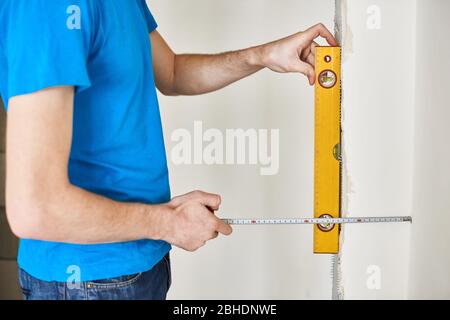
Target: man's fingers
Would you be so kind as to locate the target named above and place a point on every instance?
(308, 54)
(314, 45)
(304, 52)
(224, 228)
(311, 59)
(320, 30)
(210, 200)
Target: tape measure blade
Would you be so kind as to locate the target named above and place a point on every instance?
(289, 221)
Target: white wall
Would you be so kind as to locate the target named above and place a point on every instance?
(378, 128)
(256, 262)
(396, 132)
(429, 275)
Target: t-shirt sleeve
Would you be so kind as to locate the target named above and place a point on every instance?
(47, 45)
(149, 19)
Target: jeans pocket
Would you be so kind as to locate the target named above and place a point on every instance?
(118, 282)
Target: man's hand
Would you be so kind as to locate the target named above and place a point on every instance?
(192, 222)
(193, 74)
(296, 53)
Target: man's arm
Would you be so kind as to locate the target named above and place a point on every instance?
(42, 204)
(192, 74)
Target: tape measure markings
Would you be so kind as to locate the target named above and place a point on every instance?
(321, 221)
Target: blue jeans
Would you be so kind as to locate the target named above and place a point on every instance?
(150, 285)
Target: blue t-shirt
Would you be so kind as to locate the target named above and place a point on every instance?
(102, 48)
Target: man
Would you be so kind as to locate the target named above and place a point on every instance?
(87, 181)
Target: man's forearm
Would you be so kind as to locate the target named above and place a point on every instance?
(200, 73)
(192, 74)
(73, 215)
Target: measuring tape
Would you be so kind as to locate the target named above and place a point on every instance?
(325, 223)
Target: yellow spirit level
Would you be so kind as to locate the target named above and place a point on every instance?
(327, 162)
(327, 140)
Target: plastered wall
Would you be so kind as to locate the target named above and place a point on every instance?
(379, 42)
(396, 154)
(429, 262)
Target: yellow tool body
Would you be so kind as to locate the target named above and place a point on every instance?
(327, 140)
